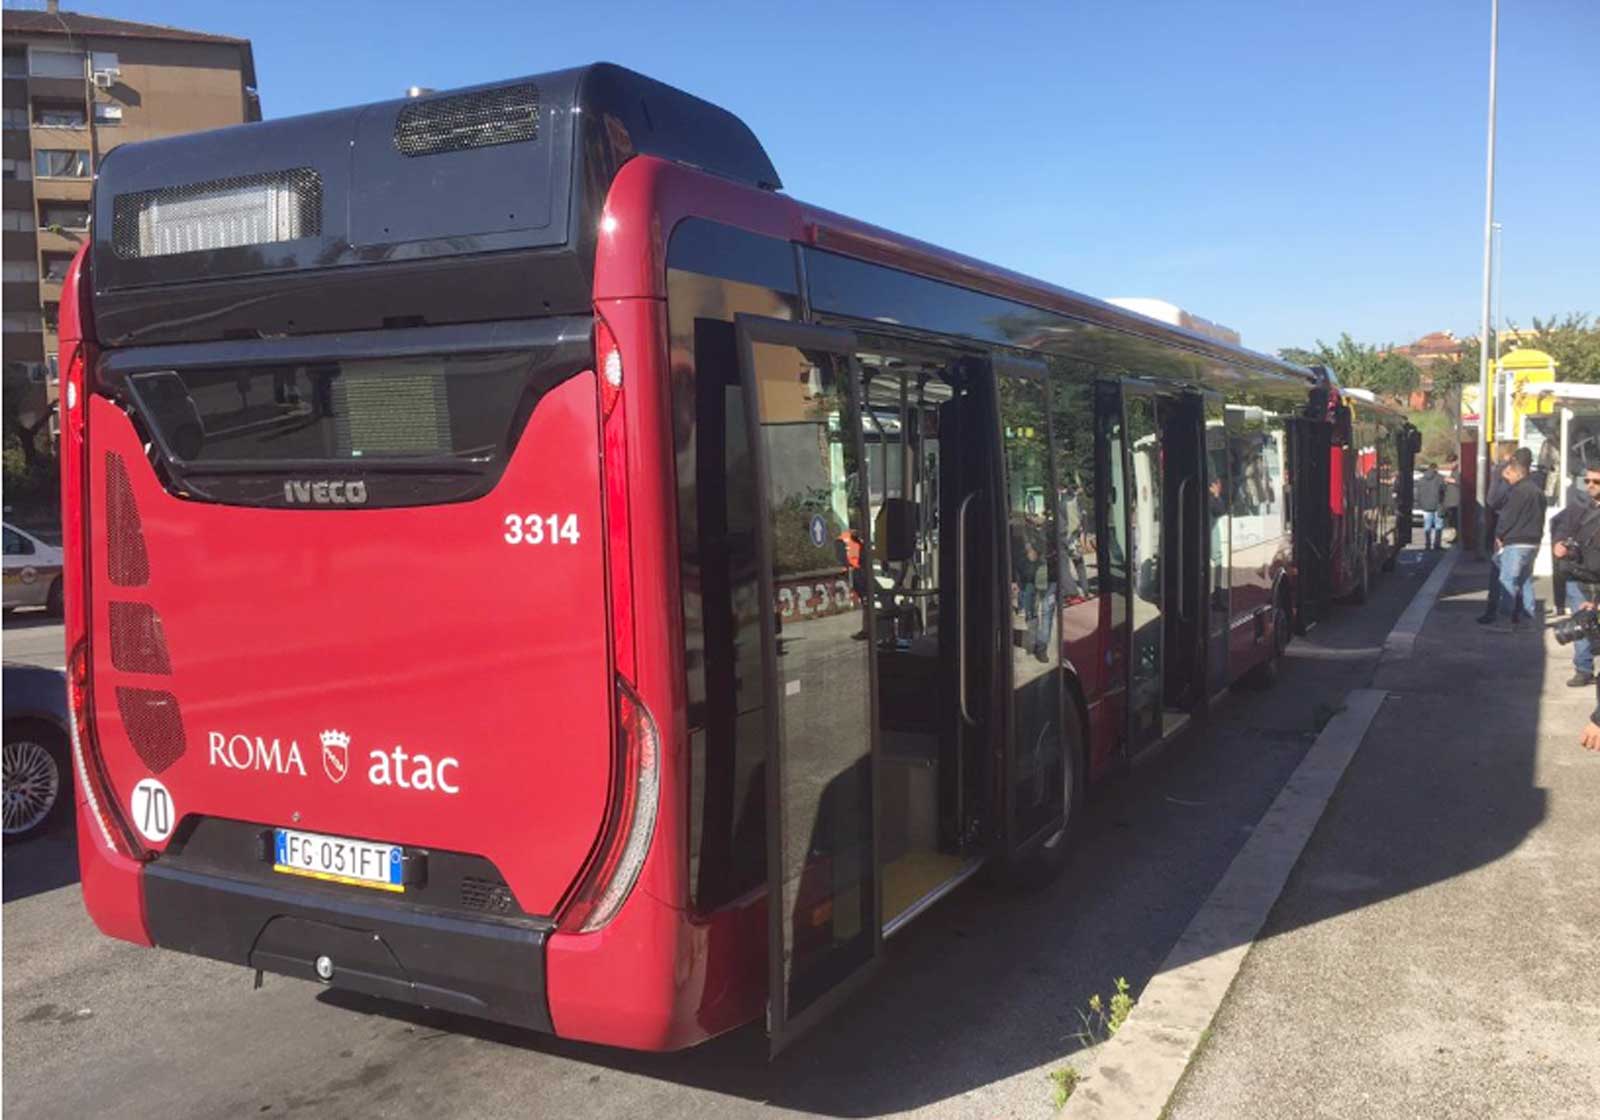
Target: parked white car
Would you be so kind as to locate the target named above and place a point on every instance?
(33, 572)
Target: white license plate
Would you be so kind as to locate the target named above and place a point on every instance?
(337, 860)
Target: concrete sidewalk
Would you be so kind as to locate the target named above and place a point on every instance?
(1436, 952)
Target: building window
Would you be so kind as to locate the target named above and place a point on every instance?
(60, 163)
(58, 114)
(20, 272)
(55, 267)
(44, 63)
(66, 215)
(106, 113)
(16, 118)
(21, 321)
(18, 220)
(15, 169)
(16, 64)
(52, 315)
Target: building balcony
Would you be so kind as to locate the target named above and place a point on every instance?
(49, 291)
(64, 137)
(63, 190)
(57, 89)
(64, 241)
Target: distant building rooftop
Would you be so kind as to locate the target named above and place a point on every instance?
(20, 21)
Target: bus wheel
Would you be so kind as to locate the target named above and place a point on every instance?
(1042, 865)
(1266, 674)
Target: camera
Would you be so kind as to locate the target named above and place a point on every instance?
(1582, 623)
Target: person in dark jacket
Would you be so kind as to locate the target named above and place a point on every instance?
(1564, 527)
(1519, 527)
(1491, 503)
(1575, 533)
(1429, 496)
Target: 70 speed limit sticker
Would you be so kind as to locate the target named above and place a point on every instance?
(153, 811)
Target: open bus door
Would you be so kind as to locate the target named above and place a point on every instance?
(1410, 441)
(824, 899)
(1310, 446)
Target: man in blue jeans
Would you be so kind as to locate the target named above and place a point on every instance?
(1518, 530)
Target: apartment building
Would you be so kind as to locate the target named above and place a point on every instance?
(76, 86)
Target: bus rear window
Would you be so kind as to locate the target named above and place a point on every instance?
(359, 412)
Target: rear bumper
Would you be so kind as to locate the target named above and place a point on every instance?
(490, 969)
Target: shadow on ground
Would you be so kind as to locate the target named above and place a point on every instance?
(44, 864)
(989, 985)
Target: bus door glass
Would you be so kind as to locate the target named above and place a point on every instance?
(1041, 572)
(928, 423)
(1165, 440)
(822, 799)
(1219, 534)
(1145, 564)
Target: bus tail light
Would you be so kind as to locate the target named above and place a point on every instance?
(86, 761)
(631, 823)
(614, 471)
(76, 357)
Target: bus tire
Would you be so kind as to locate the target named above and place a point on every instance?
(1266, 674)
(1044, 864)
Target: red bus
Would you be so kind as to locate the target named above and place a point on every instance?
(521, 563)
(1362, 458)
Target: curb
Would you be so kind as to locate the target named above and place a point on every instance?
(1134, 1074)
(1404, 635)
(1137, 1070)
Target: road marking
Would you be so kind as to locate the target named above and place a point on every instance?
(1132, 1075)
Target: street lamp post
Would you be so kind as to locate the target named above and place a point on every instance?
(1484, 387)
(1499, 288)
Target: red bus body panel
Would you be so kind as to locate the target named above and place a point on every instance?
(451, 659)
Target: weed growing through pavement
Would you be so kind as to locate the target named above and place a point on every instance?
(1066, 1079)
(1104, 1019)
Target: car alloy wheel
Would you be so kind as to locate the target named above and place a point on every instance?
(32, 782)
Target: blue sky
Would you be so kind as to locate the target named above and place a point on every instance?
(1291, 168)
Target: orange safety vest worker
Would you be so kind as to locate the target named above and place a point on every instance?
(852, 547)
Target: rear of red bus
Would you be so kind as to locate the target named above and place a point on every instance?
(359, 686)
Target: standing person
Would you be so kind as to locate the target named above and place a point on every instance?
(1519, 527)
(1492, 500)
(1575, 532)
(1429, 496)
(1564, 526)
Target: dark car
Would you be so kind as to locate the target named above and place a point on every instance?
(37, 763)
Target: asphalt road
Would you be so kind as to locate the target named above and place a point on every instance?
(34, 638)
(976, 1001)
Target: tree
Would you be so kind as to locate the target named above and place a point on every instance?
(26, 418)
(1360, 366)
(1572, 340)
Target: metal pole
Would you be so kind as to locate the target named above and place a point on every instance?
(1484, 388)
(1499, 289)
